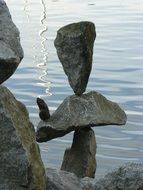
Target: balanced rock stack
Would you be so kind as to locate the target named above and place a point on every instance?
(21, 166)
(79, 112)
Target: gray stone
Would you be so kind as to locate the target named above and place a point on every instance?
(80, 158)
(127, 177)
(74, 44)
(44, 112)
(11, 51)
(76, 112)
(20, 162)
(88, 183)
(62, 180)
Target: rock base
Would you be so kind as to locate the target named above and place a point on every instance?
(80, 158)
(127, 177)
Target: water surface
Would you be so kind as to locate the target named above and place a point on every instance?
(116, 73)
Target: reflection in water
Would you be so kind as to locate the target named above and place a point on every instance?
(43, 65)
(25, 9)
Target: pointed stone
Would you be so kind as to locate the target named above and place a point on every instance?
(44, 112)
(74, 44)
(76, 112)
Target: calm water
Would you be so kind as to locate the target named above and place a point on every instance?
(116, 73)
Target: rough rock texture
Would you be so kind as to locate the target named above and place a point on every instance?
(21, 167)
(74, 44)
(80, 158)
(127, 177)
(62, 180)
(88, 183)
(76, 112)
(11, 51)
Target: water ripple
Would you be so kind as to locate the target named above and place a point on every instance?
(118, 158)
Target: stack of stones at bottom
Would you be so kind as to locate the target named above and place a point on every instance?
(79, 112)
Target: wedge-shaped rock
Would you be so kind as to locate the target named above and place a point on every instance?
(84, 143)
(21, 167)
(74, 44)
(11, 51)
(91, 109)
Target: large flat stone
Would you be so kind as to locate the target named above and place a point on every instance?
(76, 112)
(11, 51)
(74, 44)
(21, 167)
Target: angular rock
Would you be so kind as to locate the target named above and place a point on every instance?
(11, 51)
(20, 162)
(76, 112)
(80, 158)
(127, 177)
(74, 44)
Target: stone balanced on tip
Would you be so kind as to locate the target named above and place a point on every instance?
(74, 44)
